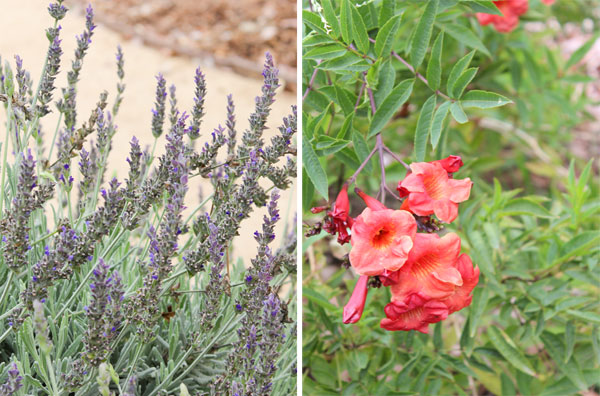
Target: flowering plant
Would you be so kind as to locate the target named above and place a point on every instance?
(114, 286)
(494, 258)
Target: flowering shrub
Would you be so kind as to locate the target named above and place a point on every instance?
(111, 286)
(467, 260)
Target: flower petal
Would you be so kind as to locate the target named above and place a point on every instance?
(445, 210)
(459, 189)
(420, 204)
(412, 183)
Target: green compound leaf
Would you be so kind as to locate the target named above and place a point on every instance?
(422, 34)
(424, 128)
(390, 106)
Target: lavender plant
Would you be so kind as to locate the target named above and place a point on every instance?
(115, 287)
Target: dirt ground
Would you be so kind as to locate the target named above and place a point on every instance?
(22, 32)
(233, 33)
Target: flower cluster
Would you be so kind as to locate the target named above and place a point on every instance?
(252, 366)
(511, 10)
(15, 226)
(428, 277)
(13, 383)
(104, 313)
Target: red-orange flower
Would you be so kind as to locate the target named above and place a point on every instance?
(338, 220)
(431, 268)
(508, 21)
(548, 2)
(450, 164)
(461, 296)
(381, 239)
(430, 191)
(354, 309)
(415, 312)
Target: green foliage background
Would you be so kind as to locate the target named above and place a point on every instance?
(531, 223)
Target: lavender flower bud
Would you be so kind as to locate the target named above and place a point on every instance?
(174, 113)
(120, 84)
(13, 383)
(230, 124)
(198, 110)
(50, 72)
(252, 138)
(15, 226)
(135, 168)
(104, 314)
(41, 328)
(57, 10)
(158, 113)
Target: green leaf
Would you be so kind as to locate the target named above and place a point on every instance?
(361, 148)
(359, 31)
(328, 51)
(580, 52)
(579, 244)
(569, 340)
(483, 99)
(465, 78)
(318, 298)
(434, 68)
(458, 113)
(390, 106)
(465, 36)
(422, 34)
(438, 123)
(313, 167)
(346, 21)
(313, 21)
(438, 341)
(308, 191)
(387, 78)
(508, 350)
(524, 206)
(331, 17)
(508, 388)
(586, 316)
(386, 11)
(458, 69)
(386, 35)
(346, 130)
(485, 6)
(424, 127)
(555, 349)
(349, 62)
(480, 298)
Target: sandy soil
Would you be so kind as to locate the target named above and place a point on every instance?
(234, 33)
(22, 32)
